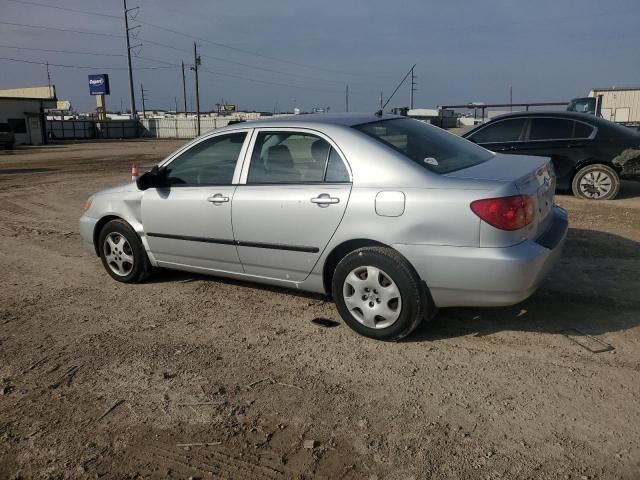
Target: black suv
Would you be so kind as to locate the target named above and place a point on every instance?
(589, 154)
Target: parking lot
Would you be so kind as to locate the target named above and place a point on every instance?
(188, 375)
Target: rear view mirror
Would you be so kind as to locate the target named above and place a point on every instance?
(152, 179)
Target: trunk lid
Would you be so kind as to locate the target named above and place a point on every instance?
(533, 176)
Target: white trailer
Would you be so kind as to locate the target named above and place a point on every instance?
(617, 104)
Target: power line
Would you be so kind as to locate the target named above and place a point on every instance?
(233, 62)
(44, 27)
(266, 82)
(248, 52)
(111, 35)
(176, 32)
(78, 66)
(66, 9)
(75, 52)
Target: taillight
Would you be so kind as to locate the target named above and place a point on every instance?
(506, 213)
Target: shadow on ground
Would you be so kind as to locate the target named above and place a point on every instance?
(595, 288)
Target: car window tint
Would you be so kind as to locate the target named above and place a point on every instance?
(211, 162)
(501, 131)
(336, 169)
(288, 157)
(550, 128)
(430, 147)
(582, 130)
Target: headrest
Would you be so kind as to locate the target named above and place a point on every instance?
(278, 156)
(320, 150)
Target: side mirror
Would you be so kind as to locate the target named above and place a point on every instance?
(152, 179)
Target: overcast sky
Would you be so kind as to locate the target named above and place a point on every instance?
(465, 50)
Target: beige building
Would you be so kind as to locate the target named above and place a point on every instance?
(620, 105)
(24, 110)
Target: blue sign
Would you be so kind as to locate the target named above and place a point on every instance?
(99, 84)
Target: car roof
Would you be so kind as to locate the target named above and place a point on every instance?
(315, 119)
(601, 123)
(548, 113)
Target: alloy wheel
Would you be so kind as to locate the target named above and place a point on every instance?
(118, 254)
(596, 184)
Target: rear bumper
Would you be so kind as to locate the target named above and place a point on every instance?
(471, 276)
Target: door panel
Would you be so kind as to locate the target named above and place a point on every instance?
(296, 193)
(188, 220)
(189, 226)
(281, 230)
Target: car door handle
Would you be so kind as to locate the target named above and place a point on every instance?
(218, 198)
(324, 200)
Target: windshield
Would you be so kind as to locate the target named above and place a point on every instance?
(428, 146)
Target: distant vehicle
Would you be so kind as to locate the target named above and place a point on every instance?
(589, 154)
(620, 105)
(390, 216)
(7, 137)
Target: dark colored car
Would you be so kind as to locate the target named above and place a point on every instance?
(7, 138)
(589, 154)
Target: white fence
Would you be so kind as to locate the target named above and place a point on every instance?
(179, 127)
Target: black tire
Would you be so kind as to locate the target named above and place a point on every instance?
(583, 185)
(134, 271)
(414, 303)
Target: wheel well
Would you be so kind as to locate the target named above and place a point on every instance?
(338, 253)
(96, 230)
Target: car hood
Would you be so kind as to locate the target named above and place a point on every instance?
(501, 167)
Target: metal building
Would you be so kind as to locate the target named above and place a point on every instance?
(24, 110)
(619, 104)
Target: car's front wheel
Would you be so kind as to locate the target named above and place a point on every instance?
(122, 252)
(596, 182)
(379, 294)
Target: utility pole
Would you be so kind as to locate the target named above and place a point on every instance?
(196, 62)
(184, 90)
(381, 100)
(346, 98)
(144, 111)
(413, 87)
(132, 97)
(49, 80)
(511, 99)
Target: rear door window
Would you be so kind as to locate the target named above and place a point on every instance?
(294, 157)
(500, 132)
(551, 129)
(582, 130)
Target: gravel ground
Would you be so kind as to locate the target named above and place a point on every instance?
(101, 379)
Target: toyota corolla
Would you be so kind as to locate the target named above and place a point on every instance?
(391, 217)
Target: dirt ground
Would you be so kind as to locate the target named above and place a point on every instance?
(104, 380)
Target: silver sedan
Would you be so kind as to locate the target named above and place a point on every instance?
(391, 217)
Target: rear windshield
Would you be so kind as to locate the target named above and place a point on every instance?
(429, 146)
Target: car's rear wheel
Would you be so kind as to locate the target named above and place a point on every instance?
(596, 182)
(379, 294)
(122, 253)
